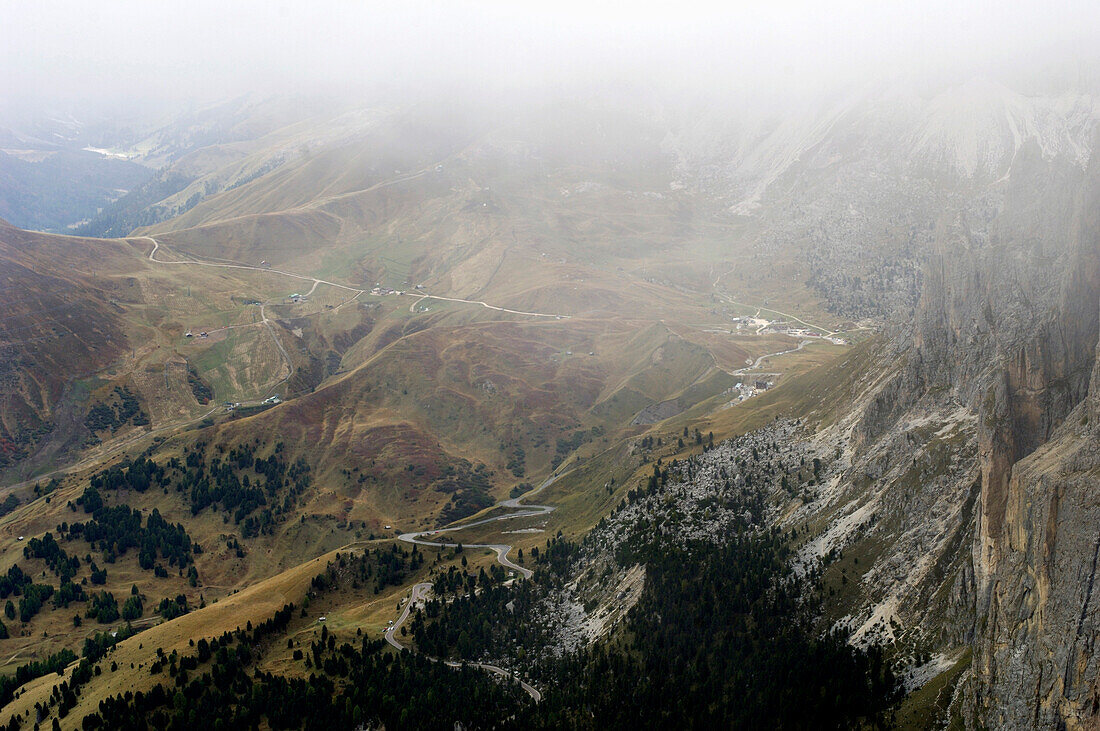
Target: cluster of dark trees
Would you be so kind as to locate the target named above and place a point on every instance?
(103, 608)
(31, 596)
(199, 388)
(13, 581)
(477, 620)
(69, 592)
(567, 444)
(10, 503)
(378, 568)
(138, 475)
(124, 409)
(30, 671)
(468, 485)
(34, 596)
(352, 686)
(112, 530)
(517, 461)
(255, 491)
(57, 560)
(172, 608)
(454, 581)
(470, 616)
(115, 530)
(242, 484)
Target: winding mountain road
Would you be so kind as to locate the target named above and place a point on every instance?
(316, 281)
(420, 591)
(761, 359)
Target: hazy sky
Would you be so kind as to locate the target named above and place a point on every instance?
(54, 51)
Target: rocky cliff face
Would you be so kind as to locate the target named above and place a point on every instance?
(1035, 553)
(1035, 661)
(976, 460)
(1008, 326)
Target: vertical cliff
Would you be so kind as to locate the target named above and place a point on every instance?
(1008, 325)
(1038, 531)
(977, 457)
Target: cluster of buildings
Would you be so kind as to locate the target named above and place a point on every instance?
(781, 327)
(746, 390)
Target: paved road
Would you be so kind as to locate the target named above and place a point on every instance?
(823, 330)
(421, 591)
(316, 281)
(761, 359)
(485, 304)
(501, 550)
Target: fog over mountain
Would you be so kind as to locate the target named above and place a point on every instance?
(60, 52)
(577, 365)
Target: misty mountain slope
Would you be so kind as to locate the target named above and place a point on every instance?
(996, 368)
(221, 147)
(975, 129)
(855, 182)
(58, 189)
(328, 156)
(478, 222)
(953, 232)
(864, 201)
(550, 366)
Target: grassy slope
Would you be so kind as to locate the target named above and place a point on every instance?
(134, 655)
